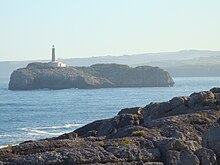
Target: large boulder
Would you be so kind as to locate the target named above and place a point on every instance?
(206, 156)
(109, 127)
(134, 110)
(177, 102)
(188, 157)
(215, 90)
(172, 157)
(181, 105)
(200, 99)
(155, 110)
(211, 140)
(211, 137)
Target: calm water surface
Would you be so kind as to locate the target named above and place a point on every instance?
(29, 115)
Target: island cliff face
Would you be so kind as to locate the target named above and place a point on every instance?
(39, 76)
(182, 131)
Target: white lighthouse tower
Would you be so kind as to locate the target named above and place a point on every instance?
(53, 62)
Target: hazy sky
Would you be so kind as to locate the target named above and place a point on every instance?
(82, 28)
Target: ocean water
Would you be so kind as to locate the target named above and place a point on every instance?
(37, 114)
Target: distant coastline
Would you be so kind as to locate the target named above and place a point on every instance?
(186, 63)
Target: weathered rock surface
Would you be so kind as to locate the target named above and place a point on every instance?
(206, 156)
(39, 75)
(182, 131)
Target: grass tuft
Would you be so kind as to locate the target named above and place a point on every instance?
(138, 133)
(101, 143)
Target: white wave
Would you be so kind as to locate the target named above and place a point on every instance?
(38, 132)
(62, 126)
(42, 134)
(24, 129)
(50, 127)
(9, 136)
(3, 146)
(2, 136)
(8, 145)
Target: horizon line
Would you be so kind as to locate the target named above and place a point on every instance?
(135, 54)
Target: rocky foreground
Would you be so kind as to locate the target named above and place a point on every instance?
(182, 131)
(40, 75)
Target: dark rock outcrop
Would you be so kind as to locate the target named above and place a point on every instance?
(182, 131)
(134, 110)
(206, 156)
(40, 75)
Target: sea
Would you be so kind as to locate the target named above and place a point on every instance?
(39, 114)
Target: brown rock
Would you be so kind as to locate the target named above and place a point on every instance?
(199, 99)
(155, 111)
(178, 101)
(215, 90)
(133, 111)
(71, 135)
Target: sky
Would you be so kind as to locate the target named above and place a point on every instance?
(85, 28)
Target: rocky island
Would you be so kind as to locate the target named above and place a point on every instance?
(43, 75)
(182, 131)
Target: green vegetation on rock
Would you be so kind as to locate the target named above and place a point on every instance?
(138, 133)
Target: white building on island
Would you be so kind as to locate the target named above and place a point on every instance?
(53, 62)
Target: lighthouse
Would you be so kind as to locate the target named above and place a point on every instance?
(53, 62)
(53, 54)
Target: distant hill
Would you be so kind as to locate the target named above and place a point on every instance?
(181, 63)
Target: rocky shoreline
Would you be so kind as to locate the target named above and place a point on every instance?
(182, 131)
(40, 76)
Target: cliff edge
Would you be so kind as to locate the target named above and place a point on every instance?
(40, 75)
